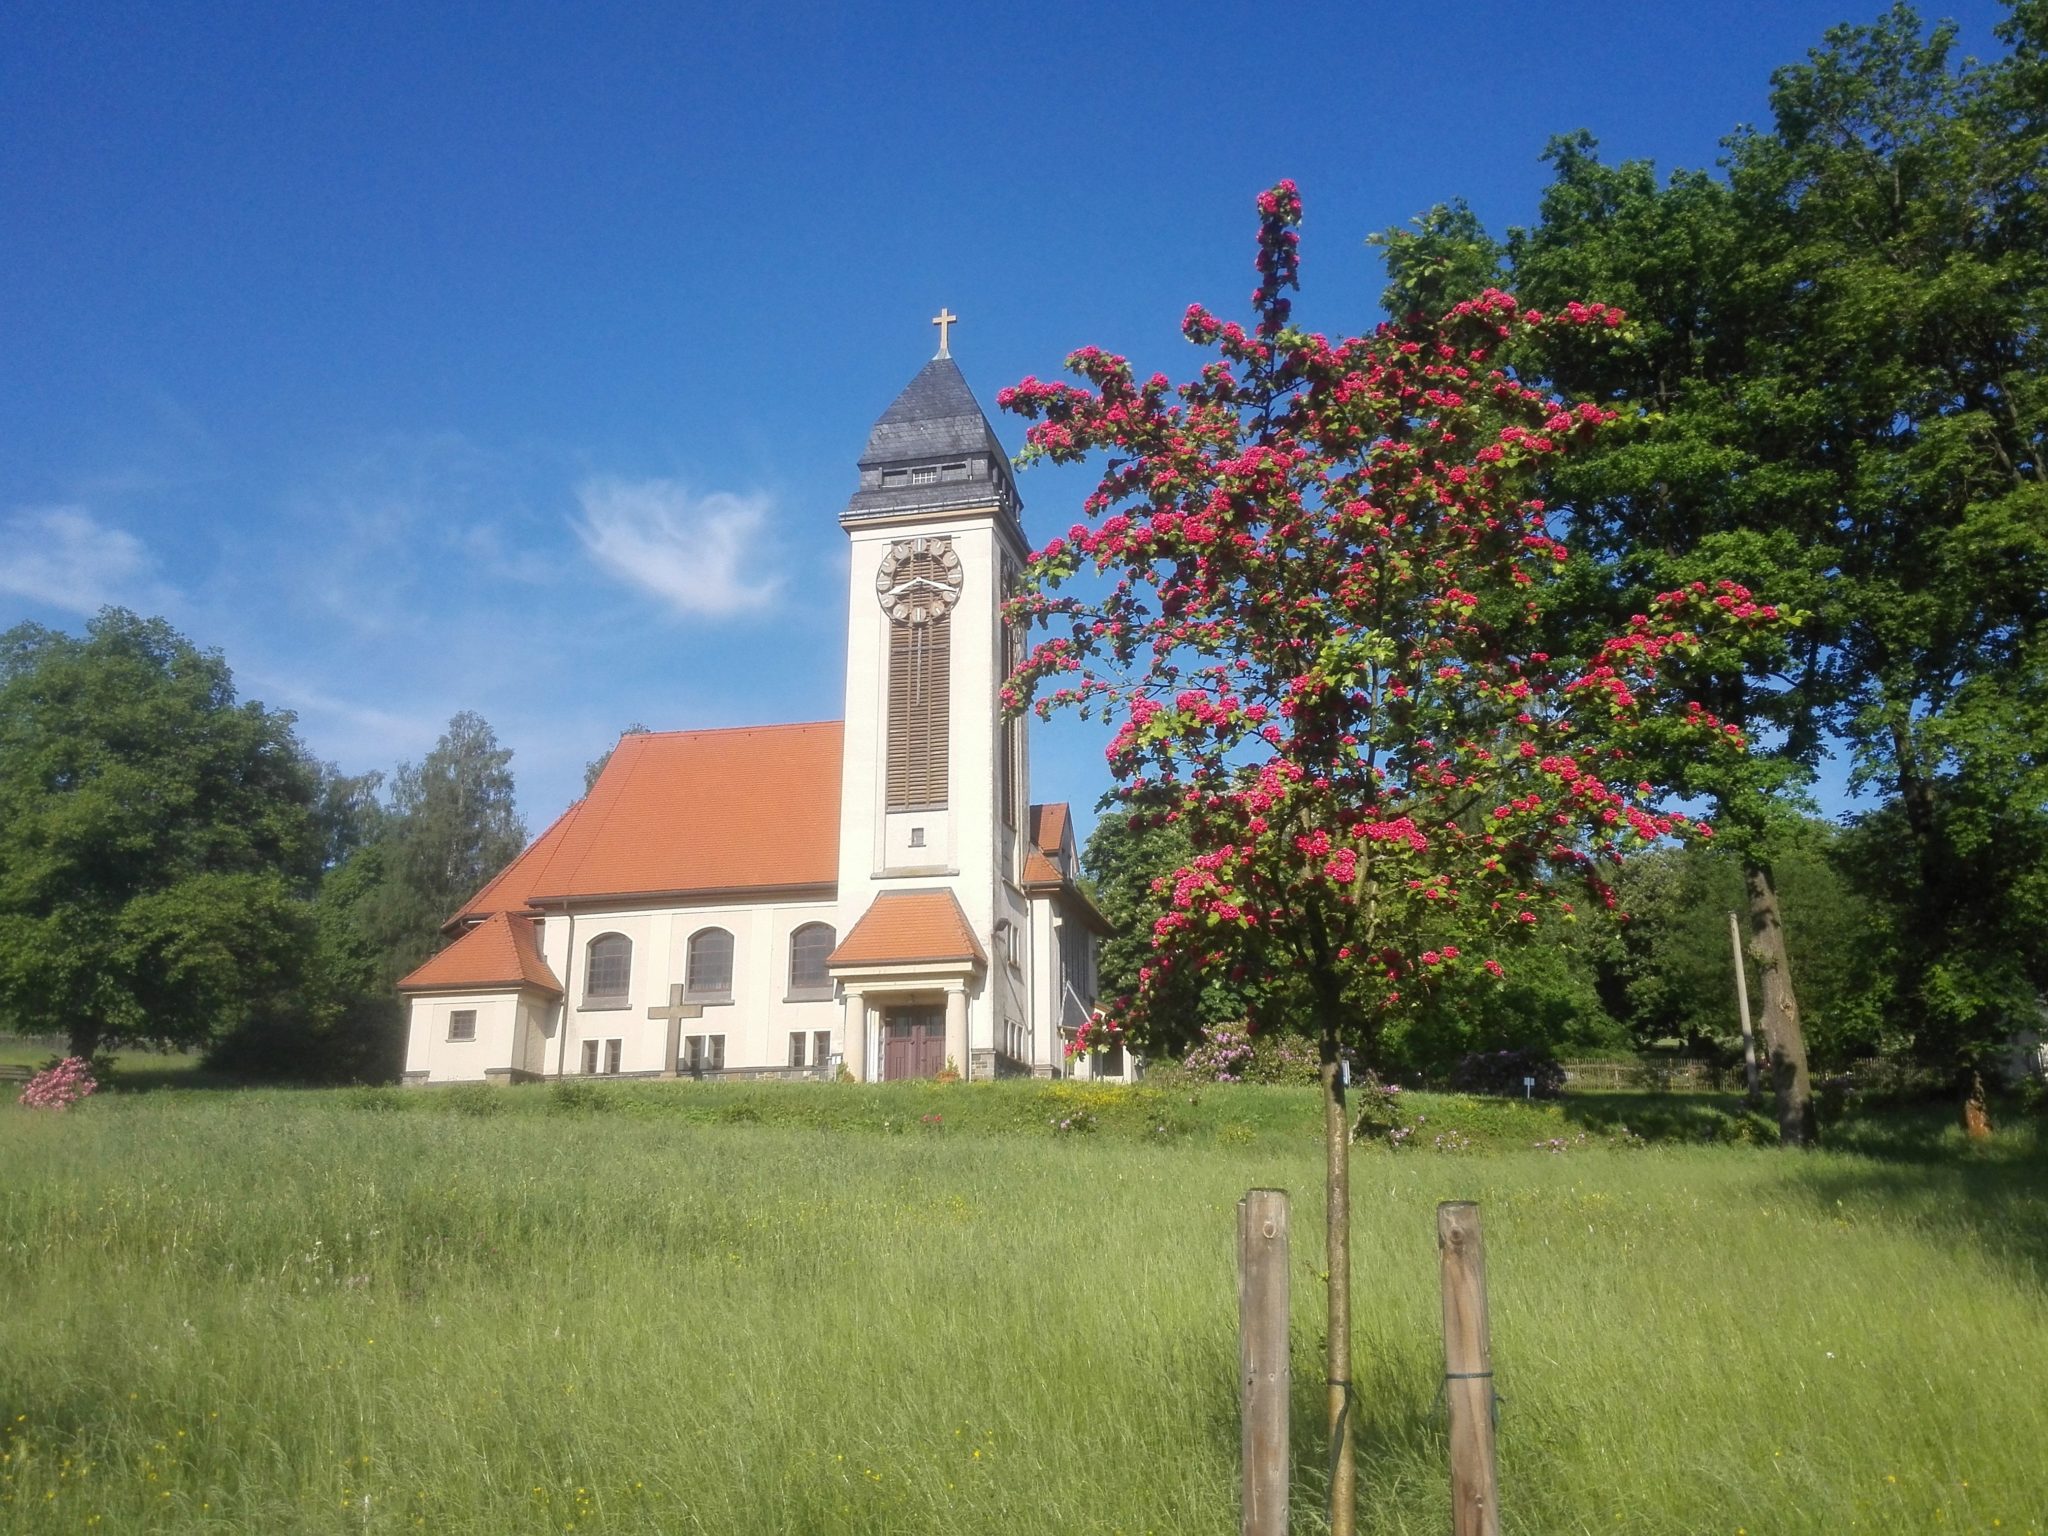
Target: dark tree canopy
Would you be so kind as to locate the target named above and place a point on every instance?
(155, 836)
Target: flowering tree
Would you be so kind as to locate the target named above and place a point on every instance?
(1314, 569)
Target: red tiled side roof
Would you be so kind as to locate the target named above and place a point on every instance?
(1048, 866)
(753, 808)
(910, 928)
(508, 890)
(498, 952)
(1045, 863)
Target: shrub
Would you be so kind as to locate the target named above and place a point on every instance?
(1502, 1074)
(68, 1082)
(1384, 1112)
(380, 1100)
(478, 1099)
(571, 1097)
(1233, 1053)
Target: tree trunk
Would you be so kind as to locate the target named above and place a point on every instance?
(1976, 1117)
(85, 1037)
(1783, 1037)
(1337, 1250)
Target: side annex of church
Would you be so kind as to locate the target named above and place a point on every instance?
(874, 896)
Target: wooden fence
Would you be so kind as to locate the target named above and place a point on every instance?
(1665, 1074)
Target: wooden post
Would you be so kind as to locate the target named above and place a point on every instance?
(1468, 1371)
(1262, 1374)
(1742, 1002)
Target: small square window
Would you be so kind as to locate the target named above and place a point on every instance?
(796, 1047)
(917, 837)
(462, 1024)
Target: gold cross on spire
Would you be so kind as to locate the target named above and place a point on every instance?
(944, 319)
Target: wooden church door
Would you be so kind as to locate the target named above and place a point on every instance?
(914, 1043)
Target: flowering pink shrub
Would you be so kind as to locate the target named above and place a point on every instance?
(1232, 1053)
(61, 1086)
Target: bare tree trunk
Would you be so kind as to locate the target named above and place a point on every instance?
(1783, 1037)
(85, 1037)
(1337, 1250)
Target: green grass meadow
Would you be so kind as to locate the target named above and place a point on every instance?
(704, 1308)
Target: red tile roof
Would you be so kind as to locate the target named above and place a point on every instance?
(497, 953)
(1049, 866)
(680, 812)
(1045, 863)
(509, 889)
(910, 928)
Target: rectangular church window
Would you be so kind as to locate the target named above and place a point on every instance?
(590, 1058)
(714, 1053)
(796, 1047)
(821, 1047)
(920, 713)
(462, 1024)
(927, 474)
(613, 1050)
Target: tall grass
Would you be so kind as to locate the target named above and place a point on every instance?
(241, 1312)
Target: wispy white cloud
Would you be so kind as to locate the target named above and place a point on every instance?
(66, 558)
(693, 552)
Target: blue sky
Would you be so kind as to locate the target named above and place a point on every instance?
(516, 358)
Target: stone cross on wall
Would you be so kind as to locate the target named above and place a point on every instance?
(676, 1011)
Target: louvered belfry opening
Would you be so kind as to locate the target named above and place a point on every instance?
(920, 705)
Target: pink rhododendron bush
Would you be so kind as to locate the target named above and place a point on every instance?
(61, 1086)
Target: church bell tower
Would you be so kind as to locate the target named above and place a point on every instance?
(934, 798)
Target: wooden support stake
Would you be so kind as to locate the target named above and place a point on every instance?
(1262, 1374)
(1742, 1002)
(1468, 1371)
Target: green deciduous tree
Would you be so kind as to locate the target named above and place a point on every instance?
(1835, 358)
(156, 837)
(455, 823)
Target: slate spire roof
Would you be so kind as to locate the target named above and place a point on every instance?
(933, 448)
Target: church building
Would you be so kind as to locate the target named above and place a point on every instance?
(874, 896)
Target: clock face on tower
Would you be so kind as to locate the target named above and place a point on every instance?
(919, 579)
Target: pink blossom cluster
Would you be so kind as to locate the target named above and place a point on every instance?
(61, 1086)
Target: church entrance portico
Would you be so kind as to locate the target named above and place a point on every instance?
(913, 1041)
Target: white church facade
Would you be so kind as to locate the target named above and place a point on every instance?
(875, 896)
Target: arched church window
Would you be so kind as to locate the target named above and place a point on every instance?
(709, 970)
(608, 973)
(809, 948)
